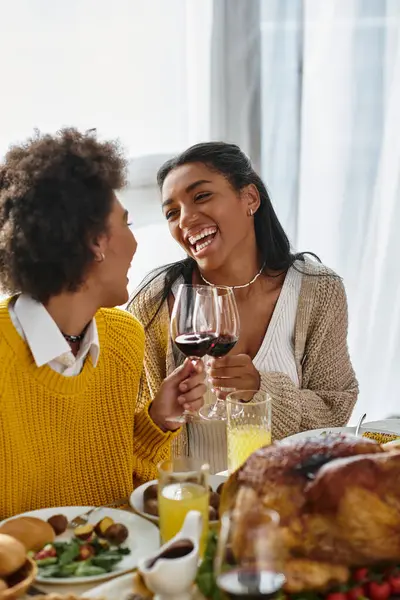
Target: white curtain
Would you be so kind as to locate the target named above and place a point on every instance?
(235, 75)
(331, 156)
(134, 69)
(309, 88)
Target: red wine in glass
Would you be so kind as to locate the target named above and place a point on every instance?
(228, 337)
(196, 344)
(194, 328)
(223, 345)
(245, 584)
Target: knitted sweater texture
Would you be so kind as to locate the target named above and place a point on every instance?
(328, 387)
(75, 440)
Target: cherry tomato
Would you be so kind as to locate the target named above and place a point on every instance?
(378, 590)
(336, 596)
(394, 582)
(360, 574)
(355, 593)
(46, 553)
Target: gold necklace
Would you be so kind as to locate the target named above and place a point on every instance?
(237, 287)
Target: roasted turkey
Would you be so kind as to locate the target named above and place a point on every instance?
(338, 498)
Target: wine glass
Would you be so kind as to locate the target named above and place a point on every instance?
(194, 327)
(228, 336)
(250, 555)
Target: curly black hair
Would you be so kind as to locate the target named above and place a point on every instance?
(56, 193)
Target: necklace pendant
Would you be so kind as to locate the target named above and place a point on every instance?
(237, 287)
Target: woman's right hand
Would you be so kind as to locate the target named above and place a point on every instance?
(183, 390)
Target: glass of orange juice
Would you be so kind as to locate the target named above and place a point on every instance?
(182, 486)
(248, 425)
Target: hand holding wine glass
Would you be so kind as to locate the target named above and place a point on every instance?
(194, 327)
(184, 388)
(235, 371)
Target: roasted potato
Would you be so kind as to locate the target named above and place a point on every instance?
(59, 523)
(116, 534)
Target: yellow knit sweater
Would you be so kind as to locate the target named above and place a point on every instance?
(74, 440)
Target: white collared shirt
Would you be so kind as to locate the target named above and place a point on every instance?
(45, 340)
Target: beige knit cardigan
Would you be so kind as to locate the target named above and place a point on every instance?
(328, 387)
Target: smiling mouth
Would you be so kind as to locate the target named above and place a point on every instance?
(202, 239)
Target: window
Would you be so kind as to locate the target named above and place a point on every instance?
(137, 70)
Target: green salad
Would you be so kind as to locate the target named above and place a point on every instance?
(78, 558)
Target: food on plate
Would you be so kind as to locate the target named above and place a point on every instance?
(339, 502)
(86, 551)
(86, 554)
(150, 493)
(214, 500)
(116, 534)
(12, 555)
(32, 532)
(59, 523)
(150, 501)
(212, 514)
(381, 438)
(205, 578)
(77, 559)
(103, 525)
(17, 571)
(379, 582)
(84, 532)
(151, 507)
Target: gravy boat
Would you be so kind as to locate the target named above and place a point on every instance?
(170, 572)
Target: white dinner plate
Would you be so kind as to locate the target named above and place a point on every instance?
(136, 499)
(119, 589)
(390, 427)
(143, 539)
(116, 589)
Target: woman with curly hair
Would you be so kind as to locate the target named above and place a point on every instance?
(71, 429)
(293, 310)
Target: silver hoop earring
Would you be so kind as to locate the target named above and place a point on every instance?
(102, 257)
(250, 212)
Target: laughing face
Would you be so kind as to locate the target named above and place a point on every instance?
(206, 216)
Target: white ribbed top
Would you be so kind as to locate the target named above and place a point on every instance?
(207, 441)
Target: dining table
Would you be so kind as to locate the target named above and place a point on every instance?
(84, 590)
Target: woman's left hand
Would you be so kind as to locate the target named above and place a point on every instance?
(236, 371)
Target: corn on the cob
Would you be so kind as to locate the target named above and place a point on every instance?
(381, 438)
